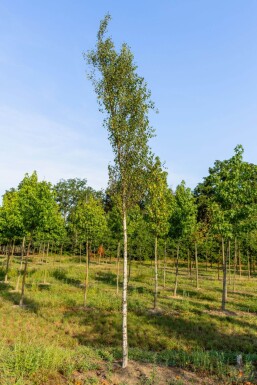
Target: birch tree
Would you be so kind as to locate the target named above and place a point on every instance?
(125, 99)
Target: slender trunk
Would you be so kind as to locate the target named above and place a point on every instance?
(7, 263)
(24, 275)
(224, 291)
(251, 264)
(188, 262)
(176, 277)
(44, 245)
(248, 265)
(19, 275)
(206, 261)
(190, 269)
(86, 276)
(196, 266)
(80, 253)
(218, 267)
(229, 262)
(235, 263)
(118, 268)
(155, 272)
(164, 267)
(239, 262)
(47, 250)
(124, 292)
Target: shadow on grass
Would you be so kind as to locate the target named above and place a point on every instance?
(61, 275)
(161, 331)
(14, 298)
(106, 277)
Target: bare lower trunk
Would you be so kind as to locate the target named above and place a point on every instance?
(47, 250)
(124, 292)
(196, 267)
(7, 263)
(19, 275)
(218, 267)
(239, 262)
(229, 263)
(248, 265)
(176, 277)
(87, 275)
(24, 275)
(235, 263)
(224, 291)
(164, 267)
(188, 262)
(155, 271)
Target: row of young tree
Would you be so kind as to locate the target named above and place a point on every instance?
(211, 223)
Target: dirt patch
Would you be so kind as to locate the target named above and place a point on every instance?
(146, 374)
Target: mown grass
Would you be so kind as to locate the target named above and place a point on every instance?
(53, 335)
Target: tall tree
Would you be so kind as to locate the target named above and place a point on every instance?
(183, 220)
(39, 212)
(230, 192)
(158, 210)
(90, 221)
(11, 226)
(125, 99)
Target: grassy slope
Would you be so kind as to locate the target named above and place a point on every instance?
(54, 337)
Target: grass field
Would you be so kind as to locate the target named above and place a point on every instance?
(54, 340)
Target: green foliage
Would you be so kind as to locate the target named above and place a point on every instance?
(38, 208)
(125, 99)
(183, 219)
(227, 198)
(159, 199)
(89, 220)
(11, 225)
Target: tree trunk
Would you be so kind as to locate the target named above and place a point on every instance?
(80, 253)
(125, 286)
(47, 250)
(248, 265)
(235, 263)
(19, 274)
(218, 267)
(164, 267)
(24, 275)
(176, 277)
(229, 262)
(118, 268)
(190, 270)
(239, 262)
(7, 263)
(87, 275)
(224, 291)
(155, 272)
(196, 266)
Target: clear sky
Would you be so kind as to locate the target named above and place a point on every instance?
(198, 57)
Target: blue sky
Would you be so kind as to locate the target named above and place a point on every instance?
(198, 57)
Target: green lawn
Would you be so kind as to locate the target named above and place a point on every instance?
(53, 336)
